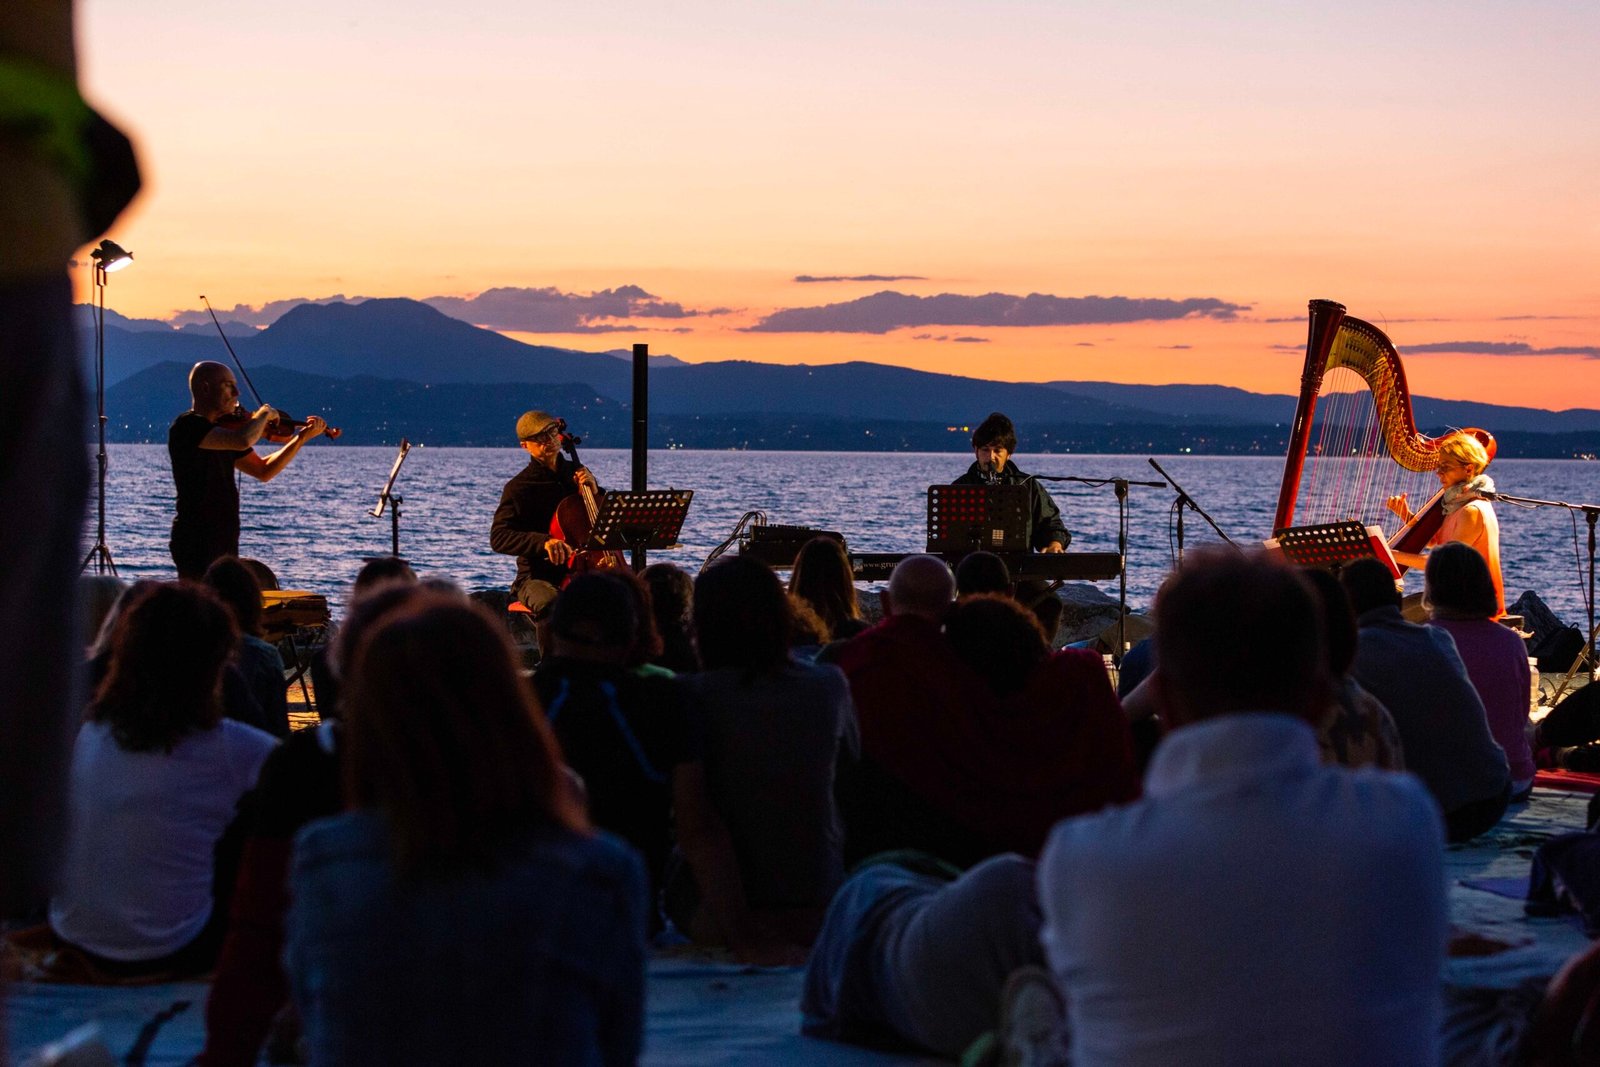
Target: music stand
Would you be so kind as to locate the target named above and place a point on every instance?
(974, 518)
(386, 498)
(1333, 544)
(648, 518)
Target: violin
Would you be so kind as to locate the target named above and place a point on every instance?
(282, 425)
(575, 518)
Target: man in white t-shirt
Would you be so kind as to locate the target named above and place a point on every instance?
(1255, 907)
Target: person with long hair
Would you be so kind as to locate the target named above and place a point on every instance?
(156, 775)
(257, 659)
(774, 730)
(300, 781)
(823, 579)
(461, 910)
(1354, 729)
(1463, 602)
(671, 597)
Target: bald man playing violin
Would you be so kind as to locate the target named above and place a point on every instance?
(206, 445)
(527, 509)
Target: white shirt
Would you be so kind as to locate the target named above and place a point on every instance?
(1254, 907)
(137, 880)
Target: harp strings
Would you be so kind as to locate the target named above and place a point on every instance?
(1349, 473)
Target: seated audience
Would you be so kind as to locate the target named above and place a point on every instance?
(373, 573)
(1354, 729)
(1462, 600)
(97, 596)
(257, 660)
(631, 738)
(1416, 673)
(1255, 907)
(299, 782)
(808, 633)
(977, 740)
(982, 572)
(823, 579)
(774, 730)
(156, 775)
(671, 594)
(1569, 737)
(910, 956)
(461, 911)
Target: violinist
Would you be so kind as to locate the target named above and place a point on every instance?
(528, 504)
(206, 445)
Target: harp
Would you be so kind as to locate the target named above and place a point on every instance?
(1367, 445)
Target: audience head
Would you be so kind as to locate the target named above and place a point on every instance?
(98, 595)
(996, 431)
(167, 652)
(741, 616)
(1048, 609)
(823, 579)
(1466, 450)
(647, 643)
(595, 618)
(1369, 585)
(982, 572)
(369, 605)
(806, 624)
(445, 737)
(108, 625)
(998, 638)
(671, 594)
(239, 590)
(1458, 585)
(382, 569)
(1268, 656)
(921, 585)
(1338, 621)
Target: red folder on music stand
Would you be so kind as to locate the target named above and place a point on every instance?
(1332, 544)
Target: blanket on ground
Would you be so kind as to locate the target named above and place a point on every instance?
(712, 1013)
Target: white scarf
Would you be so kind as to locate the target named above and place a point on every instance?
(1461, 494)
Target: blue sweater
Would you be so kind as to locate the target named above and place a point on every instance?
(538, 961)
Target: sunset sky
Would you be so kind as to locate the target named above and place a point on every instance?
(617, 172)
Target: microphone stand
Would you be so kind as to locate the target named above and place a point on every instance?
(387, 498)
(1121, 485)
(1187, 501)
(1591, 512)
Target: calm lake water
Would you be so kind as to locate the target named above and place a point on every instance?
(311, 523)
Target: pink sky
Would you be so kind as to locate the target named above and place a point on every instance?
(1433, 166)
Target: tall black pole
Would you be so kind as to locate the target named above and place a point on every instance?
(641, 434)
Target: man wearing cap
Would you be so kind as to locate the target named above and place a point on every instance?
(528, 505)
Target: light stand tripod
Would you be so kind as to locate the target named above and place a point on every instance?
(108, 257)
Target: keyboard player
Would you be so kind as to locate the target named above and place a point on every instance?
(993, 442)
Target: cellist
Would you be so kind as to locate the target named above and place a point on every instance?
(528, 504)
(205, 447)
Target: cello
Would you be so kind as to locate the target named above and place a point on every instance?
(575, 518)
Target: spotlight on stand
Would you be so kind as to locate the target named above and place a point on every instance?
(108, 257)
(111, 256)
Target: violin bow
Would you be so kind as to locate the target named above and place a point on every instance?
(236, 362)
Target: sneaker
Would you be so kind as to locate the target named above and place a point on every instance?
(1032, 1020)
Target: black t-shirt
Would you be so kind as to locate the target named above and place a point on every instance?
(208, 497)
(624, 732)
